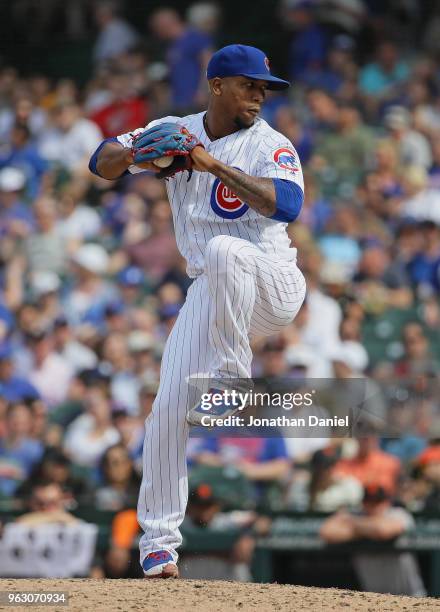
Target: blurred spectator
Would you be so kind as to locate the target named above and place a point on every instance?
(78, 356)
(188, 53)
(116, 36)
(90, 295)
(126, 108)
(157, 252)
(120, 560)
(261, 460)
(92, 433)
(50, 372)
(23, 154)
(381, 282)
(343, 16)
(347, 149)
(381, 571)
(381, 77)
(16, 219)
(22, 112)
(124, 386)
(417, 358)
(337, 76)
(45, 248)
(131, 281)
(120, 483)
(77, 222)
(421, 203)
(18, 451)
(424, 266)
(308, 46)
(412, 146)
(370, 465)
(428, 463)
(13, 388)
(47, 505)
(55, 467)
(406, 442)
(321, 330)
(328, 490)
(71, 139)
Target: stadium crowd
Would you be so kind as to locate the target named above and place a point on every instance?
(91, 281)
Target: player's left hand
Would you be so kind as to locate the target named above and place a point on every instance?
(165, 140)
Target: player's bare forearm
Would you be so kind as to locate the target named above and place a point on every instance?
(113, 160)
(258, 193)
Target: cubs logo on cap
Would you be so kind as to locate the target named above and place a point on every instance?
(225, 203)
(286, 159)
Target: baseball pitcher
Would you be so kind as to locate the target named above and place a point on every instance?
(234, 184)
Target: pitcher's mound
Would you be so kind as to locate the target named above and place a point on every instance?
(193, 595)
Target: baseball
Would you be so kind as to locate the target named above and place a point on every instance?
(163, 162)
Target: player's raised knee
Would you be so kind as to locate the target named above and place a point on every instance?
(221, 251)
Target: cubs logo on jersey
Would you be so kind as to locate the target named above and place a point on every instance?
(286, 159)
(225, 203)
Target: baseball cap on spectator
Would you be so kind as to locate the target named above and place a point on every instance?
(132, 276)
(375, 494)
(92, 257)
(94, 376)
(61, 321)
(139, 341)
(114, 308)
(12, 179)
(397, 117)
(203, 494)
(343, 42)
(242, 60)
(44, 282)
(352, 353)
(325, 458)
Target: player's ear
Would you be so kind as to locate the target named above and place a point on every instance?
(216, 86)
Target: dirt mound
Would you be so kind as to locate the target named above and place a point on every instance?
(195, 595)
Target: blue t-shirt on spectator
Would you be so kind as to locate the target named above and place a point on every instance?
(17, 212)
(254, 450)
(17, 462)
(307, 51)
(185, 66)
(30, 162)
(16, 389)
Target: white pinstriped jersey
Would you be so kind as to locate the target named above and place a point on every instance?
(203, 207)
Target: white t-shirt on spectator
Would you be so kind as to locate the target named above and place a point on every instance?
(52, 379)
(83, 447)
(424, 206)
(84, 223)
(72, 147)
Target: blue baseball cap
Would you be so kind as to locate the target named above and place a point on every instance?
(131, 276)
(241, 60)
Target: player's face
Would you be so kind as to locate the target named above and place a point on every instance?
(242, 99)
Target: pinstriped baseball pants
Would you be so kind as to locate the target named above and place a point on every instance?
(243, 292)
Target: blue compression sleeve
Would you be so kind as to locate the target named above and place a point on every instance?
(94, 159)
(290, 198)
